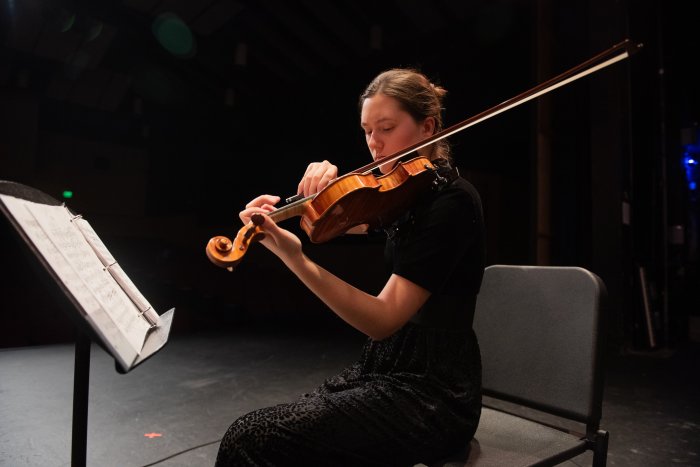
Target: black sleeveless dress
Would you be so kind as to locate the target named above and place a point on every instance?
(412, 397)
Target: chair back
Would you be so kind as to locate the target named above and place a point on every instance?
(539, 332)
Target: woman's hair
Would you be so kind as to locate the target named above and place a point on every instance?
(416, 95)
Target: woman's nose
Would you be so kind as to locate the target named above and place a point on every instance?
(374, 143)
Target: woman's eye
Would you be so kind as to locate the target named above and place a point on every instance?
(387, 129)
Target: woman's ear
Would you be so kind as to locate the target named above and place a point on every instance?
(428, 126)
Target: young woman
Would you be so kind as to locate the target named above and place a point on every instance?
(415, 393)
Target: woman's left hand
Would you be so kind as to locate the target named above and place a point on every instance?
(281, 242)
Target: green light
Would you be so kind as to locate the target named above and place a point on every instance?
(67, 194)
(174, 35)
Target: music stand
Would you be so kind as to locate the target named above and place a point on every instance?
(86, 334)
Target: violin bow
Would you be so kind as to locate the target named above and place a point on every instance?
(604, 59)
(614, 54)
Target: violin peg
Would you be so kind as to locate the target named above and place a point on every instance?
(223, 244)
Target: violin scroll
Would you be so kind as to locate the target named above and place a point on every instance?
(226, 253)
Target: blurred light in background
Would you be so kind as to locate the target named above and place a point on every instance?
(174, 35)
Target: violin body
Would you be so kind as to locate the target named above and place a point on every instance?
(356, 199)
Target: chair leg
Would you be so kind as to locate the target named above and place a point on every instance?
(600, 449)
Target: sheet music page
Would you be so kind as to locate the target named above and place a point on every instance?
(95, 241)
(125, 350)
(75, 249)
(133, 292)
(117, 272)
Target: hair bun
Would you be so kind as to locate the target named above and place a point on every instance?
(439, 90)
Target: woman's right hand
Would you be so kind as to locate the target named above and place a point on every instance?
(317, 176)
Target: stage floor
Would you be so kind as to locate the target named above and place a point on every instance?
(182, 400)
(187, 395)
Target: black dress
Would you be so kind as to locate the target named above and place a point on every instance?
(412, 397)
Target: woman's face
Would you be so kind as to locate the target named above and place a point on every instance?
(388, 128)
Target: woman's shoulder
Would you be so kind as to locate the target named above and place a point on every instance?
(456, 205)
(451, 185)
(462, 185)
(459, 192)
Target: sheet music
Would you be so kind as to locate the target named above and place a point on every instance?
(95, 241)
(75, 249)
(63, 270)
(107, 307)
(117, 272)
(143, 305)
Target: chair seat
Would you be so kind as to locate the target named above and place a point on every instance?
(504, 439)
(508, 440)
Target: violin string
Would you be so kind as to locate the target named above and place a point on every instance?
(282, 212)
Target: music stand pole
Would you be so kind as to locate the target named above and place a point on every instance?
(81, 387)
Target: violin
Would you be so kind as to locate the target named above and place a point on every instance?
(360, 197)
(348, 201)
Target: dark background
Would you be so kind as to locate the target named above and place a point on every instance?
(164, 117)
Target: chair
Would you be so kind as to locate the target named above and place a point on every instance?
(540, 331)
